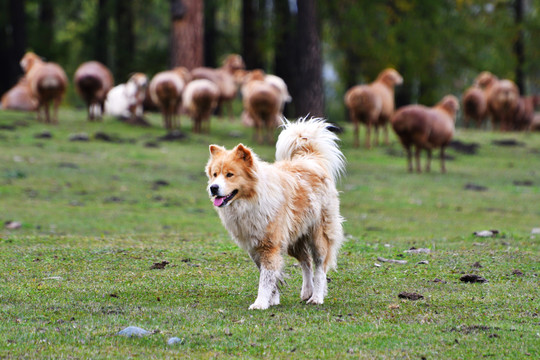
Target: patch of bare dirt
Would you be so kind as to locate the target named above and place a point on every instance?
(472, 278)
(410, 296)
(507, 142)
(159, 265)
(475, 187)
(174, 135)
(523, 183)
(464, 148)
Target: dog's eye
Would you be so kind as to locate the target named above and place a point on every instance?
(230, 174)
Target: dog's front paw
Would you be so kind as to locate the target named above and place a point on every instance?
(257, 305)
(315, 300)
(306, 294)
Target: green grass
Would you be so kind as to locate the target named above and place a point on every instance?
(94, 222)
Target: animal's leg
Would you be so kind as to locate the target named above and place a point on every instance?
(164, 114)
(38, 112)
(356, 133)
(319, 283)
(368, 135)
(443, 167)
(417, 157)
(269, 131)
(409, 158)
(428, 161)
(319, 253)
(307, 280)
(376, 130)
(230, 108)
(90, 113)
(270, 273)
(386, 139)
(258, 130)
(102, 110)
(56, 105)
(47, 113)
(301, 253)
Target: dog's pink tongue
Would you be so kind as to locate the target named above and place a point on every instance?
(218, 201)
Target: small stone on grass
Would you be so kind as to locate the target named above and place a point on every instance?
(174, 340)
(131, 331)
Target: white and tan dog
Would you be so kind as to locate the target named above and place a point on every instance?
(291, 206)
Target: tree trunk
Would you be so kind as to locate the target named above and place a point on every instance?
(251, 32)
(210, 33)
(285, 53)
(519, 47)
(101, 52)
(44, 46)
(12, 44)
(125, 40)
(187, 33)
(310, 95)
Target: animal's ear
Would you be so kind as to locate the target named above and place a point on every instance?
(244, 153)
(216, 149)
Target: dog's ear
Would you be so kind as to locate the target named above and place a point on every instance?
(216, 149)
(244, 153)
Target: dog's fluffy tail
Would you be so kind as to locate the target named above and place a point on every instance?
(308, 138)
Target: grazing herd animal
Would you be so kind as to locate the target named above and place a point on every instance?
(200, 99)
(262, 105)
(93, 81)
(125, 101)
(166, 89)
(19, 97)
(426, 128)
(373, 104)
(475, 106)
(224, 78)
(47, 82)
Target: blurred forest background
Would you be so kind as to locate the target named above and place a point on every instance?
(323, 46)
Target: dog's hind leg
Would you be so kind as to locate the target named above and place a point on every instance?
(301, 253)
(319, 252)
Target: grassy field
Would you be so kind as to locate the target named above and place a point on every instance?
(96, 215)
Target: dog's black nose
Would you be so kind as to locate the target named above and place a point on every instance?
(214, 189)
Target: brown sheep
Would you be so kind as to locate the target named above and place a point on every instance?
(93, 81)
(224, 78)
(19, 97)
(48, 82)
(525, 112)
(426, 128)
(535, 124)
(166, 89)
(373, 104)
(502, 99)
(200, 99)
(474, 106)
(275, 81)
(503, 103)
(262, 104)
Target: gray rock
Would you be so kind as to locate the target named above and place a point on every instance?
(174, 340)
(79, 137)
(391, 261)
(418, 251)
(131, 331)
